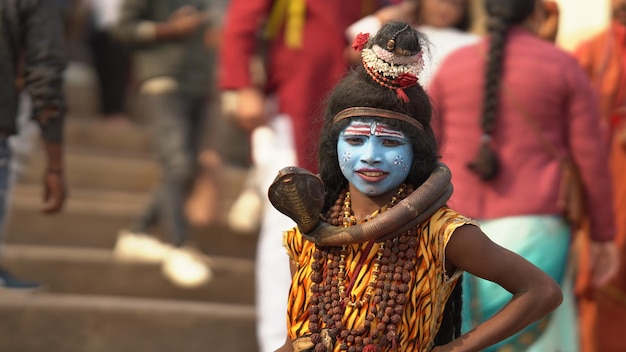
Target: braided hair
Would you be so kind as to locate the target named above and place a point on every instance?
(502, 15)
(360, 89)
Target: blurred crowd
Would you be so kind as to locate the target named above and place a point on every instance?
(207, 77)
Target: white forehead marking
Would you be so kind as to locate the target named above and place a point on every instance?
(359, 128)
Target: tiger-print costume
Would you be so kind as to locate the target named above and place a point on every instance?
(429, 291)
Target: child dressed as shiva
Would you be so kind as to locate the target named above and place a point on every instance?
(377, 256)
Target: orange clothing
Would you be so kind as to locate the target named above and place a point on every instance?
(429, 287)
(603, 312)
(604, 60)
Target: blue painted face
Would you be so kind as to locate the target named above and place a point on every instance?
(373, 157)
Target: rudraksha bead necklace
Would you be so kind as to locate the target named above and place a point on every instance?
(391, 274)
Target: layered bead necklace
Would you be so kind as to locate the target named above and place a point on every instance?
(385, 295)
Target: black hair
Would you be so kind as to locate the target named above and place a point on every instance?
(502, 15)
(358, 89)
(450, 327)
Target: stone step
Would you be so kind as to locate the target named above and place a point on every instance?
(44, 322)
(93, 218)
(105, 158)
(89, 133)
(98, 272)
(84, 127)
(98, 170)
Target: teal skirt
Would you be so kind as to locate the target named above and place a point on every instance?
(545, 242)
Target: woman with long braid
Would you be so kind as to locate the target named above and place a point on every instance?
(507, 110)
(362, 288)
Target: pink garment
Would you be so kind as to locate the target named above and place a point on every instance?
(553, 90)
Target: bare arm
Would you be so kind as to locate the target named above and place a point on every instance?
(535, 294)
(44, 63)
(55, 189)
(604, 263)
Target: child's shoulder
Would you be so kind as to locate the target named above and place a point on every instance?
(447, 220)
(446, 214)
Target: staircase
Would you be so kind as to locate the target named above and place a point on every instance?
(93, 302)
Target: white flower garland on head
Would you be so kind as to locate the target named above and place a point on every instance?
(390, 64)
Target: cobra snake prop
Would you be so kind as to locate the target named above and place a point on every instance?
(299, 194)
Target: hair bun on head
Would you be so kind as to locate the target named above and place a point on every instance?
(393, 58)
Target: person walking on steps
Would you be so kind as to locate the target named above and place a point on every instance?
(174, 70)
(33, 59)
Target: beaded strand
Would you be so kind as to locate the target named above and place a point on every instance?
(385, 295)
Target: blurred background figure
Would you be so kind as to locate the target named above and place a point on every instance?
(111, 59)
(603, 310)
(446, 24)
(507, 110)
(33, 60)
(174, 72)
(225, 144)
(300, 48)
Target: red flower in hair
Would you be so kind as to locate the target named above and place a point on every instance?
(405, 80)
(360, 41)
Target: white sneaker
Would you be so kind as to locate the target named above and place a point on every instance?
(245, 214)
(186, 267)
(140, 247)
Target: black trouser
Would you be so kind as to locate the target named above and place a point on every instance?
(111, 61)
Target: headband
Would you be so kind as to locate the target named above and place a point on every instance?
(362, 111)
